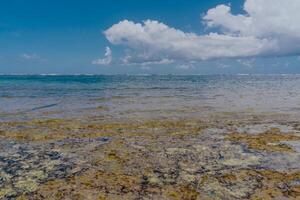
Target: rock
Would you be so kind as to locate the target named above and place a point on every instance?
(26, 185)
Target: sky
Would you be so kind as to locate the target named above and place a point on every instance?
(150, 37)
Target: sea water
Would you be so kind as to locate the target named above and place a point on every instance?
(123, 96)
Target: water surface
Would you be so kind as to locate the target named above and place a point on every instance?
(25, 97)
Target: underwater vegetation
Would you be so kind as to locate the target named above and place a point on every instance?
(205, 158)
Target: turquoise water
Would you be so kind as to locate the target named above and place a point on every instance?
(26, 97)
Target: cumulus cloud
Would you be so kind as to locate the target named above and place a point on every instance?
(106, 60)
(268, 28)
(275, 20)
(155, 39)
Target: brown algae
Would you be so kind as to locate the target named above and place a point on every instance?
(155, 159)
(267, 141)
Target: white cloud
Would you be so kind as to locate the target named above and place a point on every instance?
(156, 39)
(275, 20)
(263, 18)
(268, 28)
(106, 60)
(28, 56)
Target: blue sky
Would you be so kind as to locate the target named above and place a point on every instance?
(70, 37)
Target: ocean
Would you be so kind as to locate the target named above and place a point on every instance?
(123, 96)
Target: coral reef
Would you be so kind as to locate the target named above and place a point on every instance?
(190, 159)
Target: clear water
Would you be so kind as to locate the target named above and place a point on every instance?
(27, 97)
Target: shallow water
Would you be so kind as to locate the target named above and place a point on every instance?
(200, 137)
(26, 97)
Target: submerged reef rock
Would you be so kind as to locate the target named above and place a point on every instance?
(267, 141)
(190, 159)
